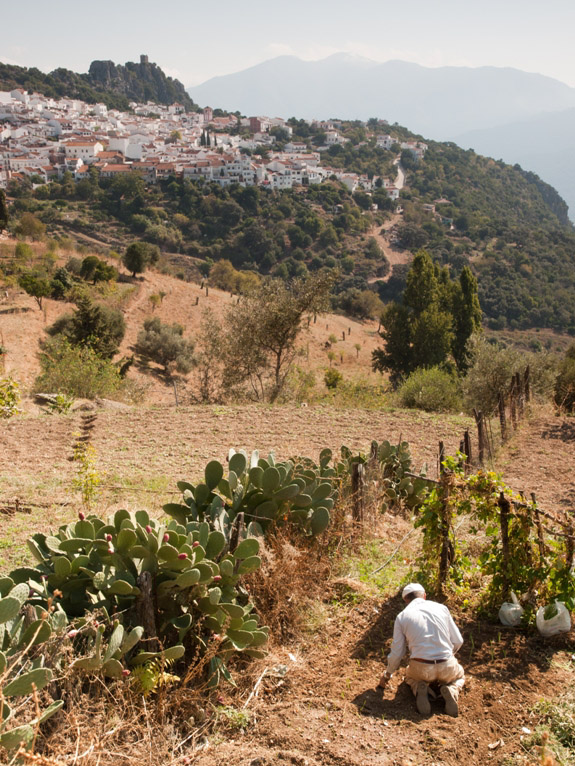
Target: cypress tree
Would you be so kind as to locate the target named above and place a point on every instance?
(434, 323)
(3, 211)
(466, 316)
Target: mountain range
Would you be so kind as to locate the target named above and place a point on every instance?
(506, 113)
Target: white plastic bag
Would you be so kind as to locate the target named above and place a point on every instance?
(510, 612)
(558, 619)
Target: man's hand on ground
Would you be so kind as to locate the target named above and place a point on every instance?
(383, 681)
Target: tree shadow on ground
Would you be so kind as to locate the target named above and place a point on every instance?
(373, 643)
(564, 432)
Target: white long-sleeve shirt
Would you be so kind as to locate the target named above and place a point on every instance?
(427, 629)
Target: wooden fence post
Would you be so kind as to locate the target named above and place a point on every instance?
(539, 527)
(373, 455)
(513, 404)
(357, 489)
(569, 545)
(467, 449)
(237, 530)
(519, 389)
(504, 511)
(147, 616)
(527, 384)
(480, 435)
(444, 556)
(502, 418)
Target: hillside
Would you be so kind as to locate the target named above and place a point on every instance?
(108, 83)
(23, 325)
(502, 113)
(544, 144)
(508, 225)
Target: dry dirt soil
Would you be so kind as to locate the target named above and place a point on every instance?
(327, 710)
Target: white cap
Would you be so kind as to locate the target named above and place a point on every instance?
(413, 587)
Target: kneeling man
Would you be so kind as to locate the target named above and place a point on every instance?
(427, 629)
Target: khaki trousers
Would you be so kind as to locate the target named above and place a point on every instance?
(448, 673)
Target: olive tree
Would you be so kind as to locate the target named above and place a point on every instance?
(261, 331)
(165, 345)
(139, 255)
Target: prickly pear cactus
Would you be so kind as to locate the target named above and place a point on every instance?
(263, 491)
(396, 463)
(97, 565)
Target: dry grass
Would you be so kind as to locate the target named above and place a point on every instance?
(291, 577)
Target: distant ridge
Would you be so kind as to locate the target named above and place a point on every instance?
(436, 102)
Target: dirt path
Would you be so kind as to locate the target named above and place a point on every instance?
(394, 255)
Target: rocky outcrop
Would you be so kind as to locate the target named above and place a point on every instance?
(138, 82)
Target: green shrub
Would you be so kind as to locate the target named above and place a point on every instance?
(23, 252)
(94, 269)
(9, 397)
(299, 386)
(92, 324)
(61, 404)
(358, 393)
(332, 378)
(76, 371)
(432, 390)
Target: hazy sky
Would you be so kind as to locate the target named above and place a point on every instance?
(194, 40)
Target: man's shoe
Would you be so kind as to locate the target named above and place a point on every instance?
(422, 699)
(450, 697)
